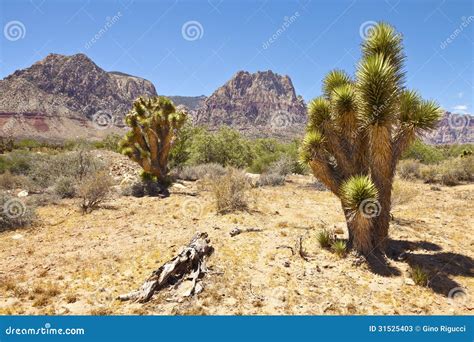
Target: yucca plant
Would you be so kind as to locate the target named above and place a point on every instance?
(357, 131)
(155, 123)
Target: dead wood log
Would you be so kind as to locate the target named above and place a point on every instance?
(184, 271)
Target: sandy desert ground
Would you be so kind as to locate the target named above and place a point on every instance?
(70, 263)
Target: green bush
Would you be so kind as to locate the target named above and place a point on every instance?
(427, 154)
(65, 187)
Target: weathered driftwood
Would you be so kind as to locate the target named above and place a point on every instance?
(189, 266)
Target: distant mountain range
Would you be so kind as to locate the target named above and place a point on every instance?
(63, 97)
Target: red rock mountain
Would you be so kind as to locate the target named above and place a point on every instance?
(60, 96)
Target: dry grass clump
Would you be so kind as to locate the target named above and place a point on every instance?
(271, 179)
(231, 191)
(402, 193)
(419, 276)
(409, 169)
(195, 172)
(9, 181)
(93, 191)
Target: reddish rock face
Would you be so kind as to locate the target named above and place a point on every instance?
(259, 100)
(61, 94)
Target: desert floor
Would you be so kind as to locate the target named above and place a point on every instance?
(70, 263)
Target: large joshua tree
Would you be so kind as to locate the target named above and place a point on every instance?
(357, 131)
(154, 124)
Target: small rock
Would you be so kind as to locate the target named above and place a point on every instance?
(23, 193)
(286, 264)
(435, 188)
(17, 237)
(409, 281)
(235, 231)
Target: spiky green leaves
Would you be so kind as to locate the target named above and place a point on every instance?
(385, 41)
(334, 79)
(378, 90)
(313, 143)
(416, 113)
(319, 111)
(344, 101)
(357, 190)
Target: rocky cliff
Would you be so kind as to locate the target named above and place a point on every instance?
(67, 96)
(253, 102)
(453, 129)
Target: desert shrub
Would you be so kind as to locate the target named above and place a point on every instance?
(409, 169)
(429, 173)
(193, 173)
(78, 164)
(65, 187)
(427, 154)
(19, 162)
(10, 181)
(271, 179)
(111, 142)
(230, 191)
(402, 193)
(93, 191)
(339, 247)
(143, 188)
(14, 213)
(449, 176)
(325, 238)
(419, 276)
(226, 147)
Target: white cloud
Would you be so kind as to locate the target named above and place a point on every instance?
(460, 95)
(460, 109)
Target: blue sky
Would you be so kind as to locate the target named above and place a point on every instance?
(150, 39)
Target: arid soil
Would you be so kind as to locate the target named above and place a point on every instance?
(70, 263)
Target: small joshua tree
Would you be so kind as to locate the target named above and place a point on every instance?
(154, 124)
(357, 131)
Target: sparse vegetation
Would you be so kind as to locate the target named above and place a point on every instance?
(231, 191)
(419, 275)
(93, 191)
(339, 247)
(325, 238)
(65, 187)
